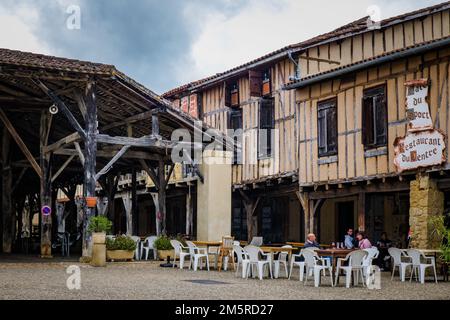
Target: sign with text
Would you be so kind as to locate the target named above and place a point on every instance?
(420, 149)
(417, 109)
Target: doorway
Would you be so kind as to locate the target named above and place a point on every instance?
(345, 218)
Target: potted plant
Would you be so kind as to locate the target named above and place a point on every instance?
(120, 248)
(98, 226)
(165, 249)
(441, 231)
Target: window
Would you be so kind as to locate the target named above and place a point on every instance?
(374, 118)
(327, 128)
(236, 125)
(232, 94)
(266, 126)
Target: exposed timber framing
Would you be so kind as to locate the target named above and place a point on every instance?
(72, 138)
(46, 188)
(20, 143)
(62, 106)
(116, 157)
(250, 204)
(7, 208)
(61, 169)
(90, 156)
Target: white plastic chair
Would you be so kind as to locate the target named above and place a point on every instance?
(253, 254)
(397, 255)
(149, 246)
(138, 251)
(197, 254)
(316, 264)
(355, 266)
(372, 253)
(300, 264)
(242, 260)
(256, 241)
(178, 247)
(283, 259)
(418, 267)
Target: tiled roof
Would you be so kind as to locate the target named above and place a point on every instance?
(362, 62)
(345, 31)
(20, 58)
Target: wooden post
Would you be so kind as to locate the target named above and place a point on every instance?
(155, 125)
(161, 215)
(189, 214)
(250, 205)
(134, 203)
(155, 197)
(90, 157)
(7, 209)
(362, 212)
(46, 188)
(304, 200)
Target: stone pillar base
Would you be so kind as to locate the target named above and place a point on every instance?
(426, 200)
(99, 255)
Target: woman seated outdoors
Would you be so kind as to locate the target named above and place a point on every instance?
(363, 242)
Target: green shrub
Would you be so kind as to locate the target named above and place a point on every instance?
(99, 224)
(121, 243)
(163, 243)
(441, 232)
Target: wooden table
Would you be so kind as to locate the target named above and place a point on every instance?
(207, 243)
(302, 244)
(334, 254)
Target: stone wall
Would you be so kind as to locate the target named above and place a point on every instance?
(426, 200)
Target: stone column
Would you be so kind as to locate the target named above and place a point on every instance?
(426, 200)
(214, 196)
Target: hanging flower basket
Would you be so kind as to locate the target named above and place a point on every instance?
(91, 202)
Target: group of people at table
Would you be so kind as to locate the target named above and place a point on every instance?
(360, 241)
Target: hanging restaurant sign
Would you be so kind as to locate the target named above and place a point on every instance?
(419, 149)
(417, 108)
(423, 146)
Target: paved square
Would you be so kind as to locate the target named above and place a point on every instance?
(146, 280)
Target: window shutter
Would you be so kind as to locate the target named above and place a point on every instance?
(321, 131)
(332, 129)
(255, 78)
(227, 95)
(381, 119)
(367, 121)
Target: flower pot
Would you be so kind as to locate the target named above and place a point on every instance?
(163, 254)
(99, 237)
(91, 202)
(118, 255)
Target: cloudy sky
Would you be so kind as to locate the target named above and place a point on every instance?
(165, 43)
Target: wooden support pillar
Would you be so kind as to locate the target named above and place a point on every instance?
(155, 124)
(303, 198)
(90, 157)
(126, 199)
(250, 205)
(155, 202)
(46, 188)
(134, 202)
(161, 216)
(189, 213)
(7, 208)
(362, 211)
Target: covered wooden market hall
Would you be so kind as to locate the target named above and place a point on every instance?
(71, 131)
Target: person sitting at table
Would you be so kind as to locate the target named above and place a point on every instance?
(311, 241)
(383, 245)
(348, 239)
(363, 242)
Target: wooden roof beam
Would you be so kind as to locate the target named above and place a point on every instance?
(20, 143)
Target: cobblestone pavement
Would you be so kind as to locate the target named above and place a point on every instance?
(146, 280)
